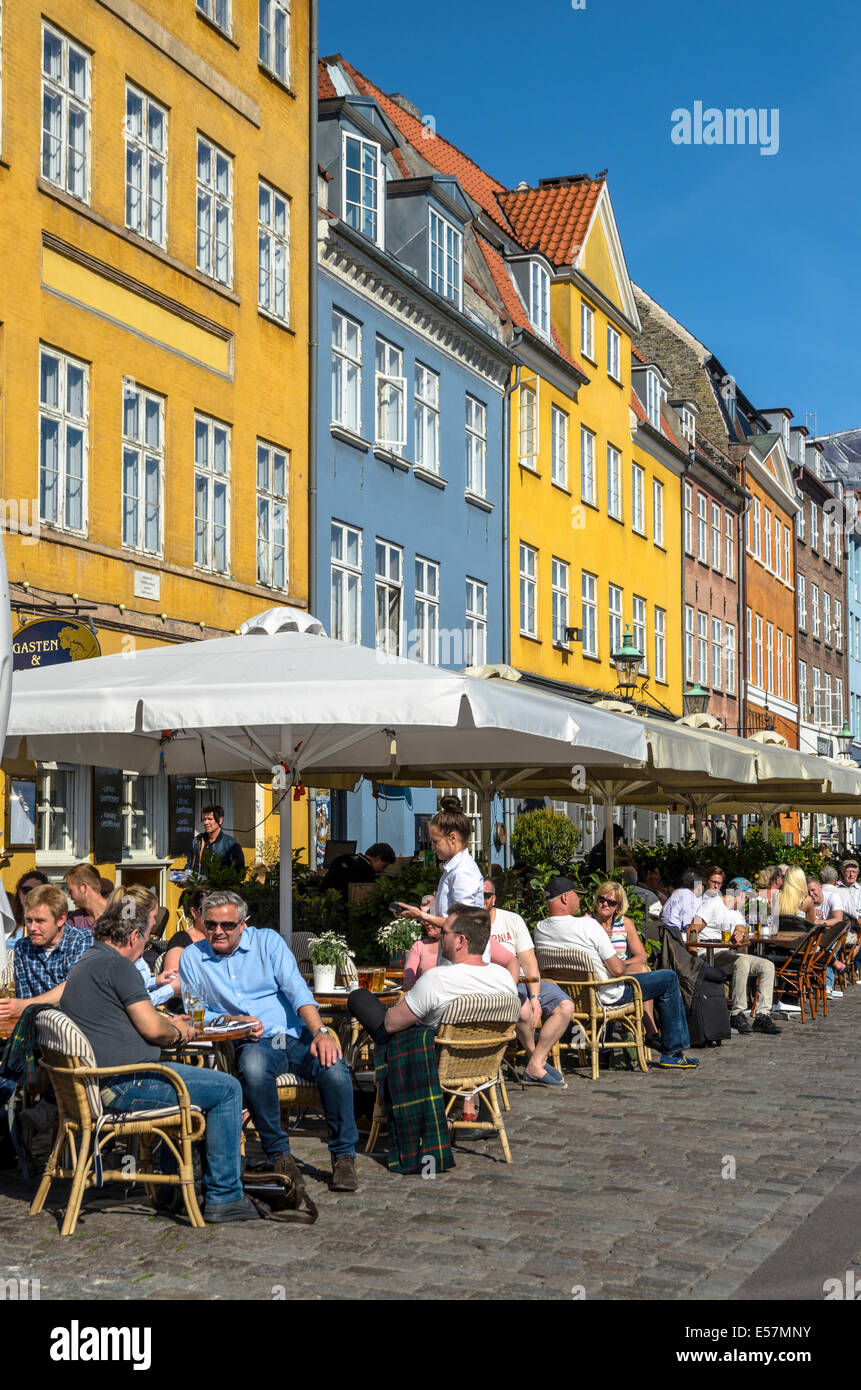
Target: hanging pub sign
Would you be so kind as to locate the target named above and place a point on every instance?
(49, 641)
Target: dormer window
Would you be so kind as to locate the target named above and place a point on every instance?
(539, 299)
(363, 187)
(784, 430)
(446, 258)
(689, 424)
(655, 394)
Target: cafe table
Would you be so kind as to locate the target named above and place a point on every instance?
(219, 1037)
(333, 1007)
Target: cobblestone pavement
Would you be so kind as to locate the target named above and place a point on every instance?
(617, 1191)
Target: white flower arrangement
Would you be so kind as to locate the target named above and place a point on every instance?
(329, 948)
(399, 934)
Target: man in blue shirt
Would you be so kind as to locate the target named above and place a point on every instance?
(47, 953)
(214, 841)
(249, 973)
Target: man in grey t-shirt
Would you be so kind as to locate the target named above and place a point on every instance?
(106, 997)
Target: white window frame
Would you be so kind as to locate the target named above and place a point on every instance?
(802, 602)
(655, 396)
(57, 166)
(539, 298)
(216, 200)
(205, 471)
(802, 692)
(587, 330)
(730, 662)
(717, 654)
(65, 422)
(388, 590)
(729, 523)
(138, 445)
(799, 522)
(638, 499)
(769, 658)
(838, 702)
(779, 660)
(689, 519)
(689, 644)
(273, 252)
(661, 645)
(756, 513)
(445, 257)
(426, 417)
(390, 394)
(528, 590)
(614, 346)
(838, 624)
(778, 554)
(559, 590)
(527, 426)
(703, 648)
(758, 667)
(615, 617)
(345, 576)
(826, 617)
(426, 643)
(767, 538)
(826, 534)
(639, 615)
(787, 556)
(375, 181)
(588, 486)
(559, 447)
(476, 446)
(476, 622)
(273, 38)
(702, 529)
(151, 156)
(814, 609)
(814, 525)
(274, 506)
(614, 483)
(76, 841)
(589, 612)
(657, 512)
(345, 359)
(218, 13)
(717, 537)
(144, 802)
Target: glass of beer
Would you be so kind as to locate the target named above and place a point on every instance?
(366, 978)
(726, 935)
(379, 978)
(198, 1014)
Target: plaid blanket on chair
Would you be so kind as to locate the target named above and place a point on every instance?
(406, 1070)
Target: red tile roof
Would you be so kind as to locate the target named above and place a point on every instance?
(635, 352)
(512, 302)
(554, 217)
(440, 153)
(637, 407)
(325, 85)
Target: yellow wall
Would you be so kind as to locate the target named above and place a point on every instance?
(76, 281)
(559, 524)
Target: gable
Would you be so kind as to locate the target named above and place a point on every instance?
(602, 260)
(596, 264)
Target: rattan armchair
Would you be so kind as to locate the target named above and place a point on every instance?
(572, 970)
(793, 976)
(87, 1128)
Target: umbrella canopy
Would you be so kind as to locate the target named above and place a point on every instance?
(7, 920)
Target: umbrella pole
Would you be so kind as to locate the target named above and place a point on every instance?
(286, 876)
(609, 844)
(486, 811)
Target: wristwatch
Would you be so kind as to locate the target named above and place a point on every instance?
(320, 1030)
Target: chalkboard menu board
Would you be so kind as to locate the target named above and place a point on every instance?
(181, 816)
(107, 815)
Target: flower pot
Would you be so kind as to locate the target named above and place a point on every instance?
(324, 978)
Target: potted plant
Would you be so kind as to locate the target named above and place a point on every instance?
(396, 937)
(328, 952)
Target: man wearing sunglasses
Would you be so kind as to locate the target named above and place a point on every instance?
(249, 973)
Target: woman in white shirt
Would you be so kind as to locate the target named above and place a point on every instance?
(462, 880)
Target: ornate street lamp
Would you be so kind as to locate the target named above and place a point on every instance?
(695, 700)
(627, 660)
(844, 737)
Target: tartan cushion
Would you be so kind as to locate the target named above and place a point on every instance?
(483, 1008)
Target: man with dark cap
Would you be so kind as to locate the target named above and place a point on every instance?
(564, 927)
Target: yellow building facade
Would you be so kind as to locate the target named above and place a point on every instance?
(595, 533)
(154, 313)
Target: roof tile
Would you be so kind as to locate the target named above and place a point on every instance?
(554, 218)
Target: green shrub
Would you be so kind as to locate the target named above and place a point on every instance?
(545, 838)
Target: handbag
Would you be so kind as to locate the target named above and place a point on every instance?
(279, 1198)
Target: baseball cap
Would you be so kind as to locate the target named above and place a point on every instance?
(559, 885)
(849, 864)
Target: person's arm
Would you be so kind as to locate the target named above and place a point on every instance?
(236, 857)
(13, 1008)
(636, 962)
(613, 964)
(809, 909)
(288, 978)
(399, 1017)
(158, 1028)
(529, 966)
(502, 955)
(325, 1048)
(412, 965)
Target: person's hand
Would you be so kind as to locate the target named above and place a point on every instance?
(738, 936)
(168, 977)
(257, 1026)
(12, 1008)
(407, 910)
(536, 1010)
(326, 1049)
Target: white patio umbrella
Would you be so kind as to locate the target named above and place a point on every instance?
(299, 707)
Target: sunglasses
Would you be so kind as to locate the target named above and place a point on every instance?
(490, 895)
(608, 902)
(219, 926)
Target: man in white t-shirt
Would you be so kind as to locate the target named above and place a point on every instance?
(715, 914)
(564, 927)
(546, 1007)
(464, 937)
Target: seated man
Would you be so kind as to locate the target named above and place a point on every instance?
(680, 908)
(47, 953)
(714, 916)
(564, 927)
(84, 887)
(358, 868)
(545, 1005)
(106, 998)
(249, 973)
(465, 935)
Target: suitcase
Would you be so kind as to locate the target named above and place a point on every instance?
(708, 1020)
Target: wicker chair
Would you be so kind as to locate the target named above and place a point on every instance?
(86, 1127)
(828, 946)
(573, 971)
(473, 1034)
(793, 977)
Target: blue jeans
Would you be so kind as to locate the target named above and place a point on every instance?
(663, 987)
(259, 1065)
(219, 1097)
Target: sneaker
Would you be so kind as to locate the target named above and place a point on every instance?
(287, 1165)
(834, 993)
(739, 1023)
(680, 1063)
(240, 1210)
(344, 1177)
(764, 1023)
(783, 1008)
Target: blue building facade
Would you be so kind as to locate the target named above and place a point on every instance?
(412, 375)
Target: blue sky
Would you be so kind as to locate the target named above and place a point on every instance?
(757, 255)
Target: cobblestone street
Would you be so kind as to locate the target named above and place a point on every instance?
(616, 1192)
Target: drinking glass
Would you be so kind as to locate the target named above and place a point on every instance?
(379, 978)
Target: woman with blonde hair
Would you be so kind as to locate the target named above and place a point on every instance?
(610, 910)
(794, 899)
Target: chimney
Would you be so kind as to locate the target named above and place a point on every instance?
(406, 105)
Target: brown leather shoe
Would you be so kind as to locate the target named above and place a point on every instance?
(344, 1177)
(286, 1164)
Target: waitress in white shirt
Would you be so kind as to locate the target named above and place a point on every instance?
(462, 880)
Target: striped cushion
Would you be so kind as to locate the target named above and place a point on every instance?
(301, 946)
(483, 1008)
(558, 957)
(7, 974)
(289, 1078)
(56, 1031)
(165, 1112)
